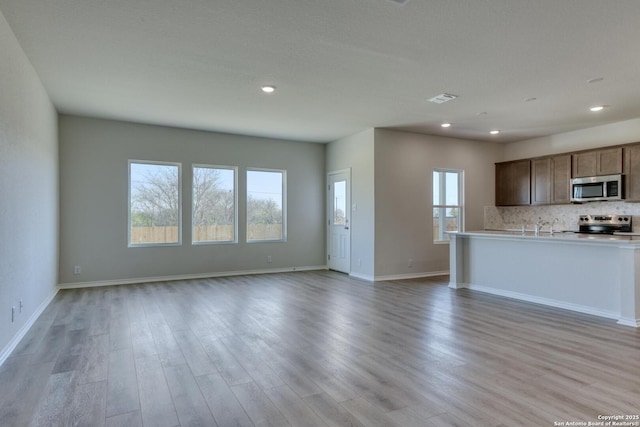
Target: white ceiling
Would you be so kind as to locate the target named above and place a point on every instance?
(340, 66)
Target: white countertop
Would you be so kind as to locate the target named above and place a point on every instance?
(561, 236)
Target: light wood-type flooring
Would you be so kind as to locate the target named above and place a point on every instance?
(314, 349)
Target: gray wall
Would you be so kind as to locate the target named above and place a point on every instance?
(94, 180)
(357, 153)
(404, 163)
(28, 190)
(391, 174)
(595, 137)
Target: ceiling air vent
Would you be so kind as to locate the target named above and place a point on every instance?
(400, 1)
(444, 97)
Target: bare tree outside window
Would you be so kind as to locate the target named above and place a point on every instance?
(214, 204)
(154, 200)
(155, 204)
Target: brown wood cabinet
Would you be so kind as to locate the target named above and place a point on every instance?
(597, 162)
(513, 183)
(584, 164)
(541, 181)
(504, 195)
(561, 179)
(632, 173)
(550, 180)
(547, 180)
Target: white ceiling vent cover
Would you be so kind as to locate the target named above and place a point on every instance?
(444, 97)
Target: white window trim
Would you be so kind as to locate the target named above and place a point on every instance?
(235, 206)
(460, 207)
(284, 205)
(153, 162)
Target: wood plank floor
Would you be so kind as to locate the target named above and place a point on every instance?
(314, 349)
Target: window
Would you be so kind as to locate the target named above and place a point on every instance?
(340, 203)
(154, 203)
(214, 204)
(266, 205)
(447, 203)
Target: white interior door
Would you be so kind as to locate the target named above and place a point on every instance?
(339, 221)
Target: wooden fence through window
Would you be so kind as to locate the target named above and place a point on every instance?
(209, 233)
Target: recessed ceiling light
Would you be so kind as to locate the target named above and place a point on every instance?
(494, 132)
(597, 108)
(268, 89)
(446, 125)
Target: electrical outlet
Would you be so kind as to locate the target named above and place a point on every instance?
(269, 259)
(77, 270)
(410, 263)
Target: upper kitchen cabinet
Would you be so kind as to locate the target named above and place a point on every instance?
(561, 179)
(541, 181)
(632, 173)
(598, 162)
(513, 183)
(550, 180)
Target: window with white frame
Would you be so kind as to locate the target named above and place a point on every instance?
(154, 203)
(447, 203)
(266, 205)
(214, 214)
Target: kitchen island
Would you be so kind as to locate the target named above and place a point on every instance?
(598, 275)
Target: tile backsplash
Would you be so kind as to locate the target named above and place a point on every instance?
(513, 217)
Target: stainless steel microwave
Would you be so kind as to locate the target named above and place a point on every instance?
(596, 188)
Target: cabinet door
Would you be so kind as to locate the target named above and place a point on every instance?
(522, 182)
(632, 172)
(513, 183)
(597, 162)
(540, 181)
(609, 161)
(585, 164)
(504, 193)
(561, 179)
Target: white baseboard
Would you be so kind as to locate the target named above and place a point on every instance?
(187, 277)
(6, 351)
(411, 276)
(539, 300)
(454, 285)
(362, 277)
(629, 322)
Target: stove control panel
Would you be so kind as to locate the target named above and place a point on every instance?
(605, 219)
(604, 224)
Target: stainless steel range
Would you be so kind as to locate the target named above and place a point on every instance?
(604, 224)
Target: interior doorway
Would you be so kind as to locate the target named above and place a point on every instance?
(339, 220)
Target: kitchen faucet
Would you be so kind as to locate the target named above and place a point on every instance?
(551, 226)
(537, 227)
